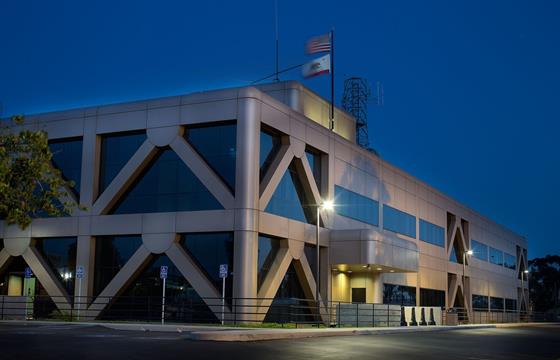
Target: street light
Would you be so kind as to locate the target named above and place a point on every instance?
(468, 252)
(325, 205)
(526, 273)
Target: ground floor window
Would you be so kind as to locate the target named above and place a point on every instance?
(399, 295)
(431, 297)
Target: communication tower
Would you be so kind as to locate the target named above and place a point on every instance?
(355, 100)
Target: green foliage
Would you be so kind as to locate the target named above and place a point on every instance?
(30, 186)
(544, 283)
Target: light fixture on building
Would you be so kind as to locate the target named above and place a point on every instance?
(470, 252)
(379, 269)
(349, 271)
(391, 270)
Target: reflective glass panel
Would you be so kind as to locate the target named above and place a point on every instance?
(217, 146)
(480, 302)
(270, 143)
(496, 304)
(496, 256)
(399, 221)
(116, 150)
(60, 254)
(289, 199)
(431, 297)
(480, 250)
(432, 233)
(111, 253)
(509, 261)
(141, 300)
(511, 304)
(268, 248)
(399, 295)
(356, 206)
(209, 250)
(67, 156)
(314, 159)
(166, 185)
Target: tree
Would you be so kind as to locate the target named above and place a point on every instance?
(544, 283)
(30, 186)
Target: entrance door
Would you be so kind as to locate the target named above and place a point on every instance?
(358, 295)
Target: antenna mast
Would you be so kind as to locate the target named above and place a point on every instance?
(355, 101)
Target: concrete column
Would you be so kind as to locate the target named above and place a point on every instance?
(377, 288)
(246, 207)
(91, 149)
(85, 256)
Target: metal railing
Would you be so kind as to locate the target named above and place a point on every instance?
(290, 312)
(458, 316)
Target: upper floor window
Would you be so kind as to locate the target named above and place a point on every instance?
(67, 157)
(399, 221)
(480, 250)
(432, 233)
(216, 144)
(496, 256)
(509, 261)
(116, 150)
(356, 206)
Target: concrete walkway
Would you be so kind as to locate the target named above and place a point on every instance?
(225, 333)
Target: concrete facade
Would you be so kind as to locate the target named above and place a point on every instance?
(353, 254)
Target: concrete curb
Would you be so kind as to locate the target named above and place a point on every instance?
(531, 324)
(278, 334)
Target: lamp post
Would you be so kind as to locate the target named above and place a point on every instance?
(524, 272)
(325, 205)
(468, 252)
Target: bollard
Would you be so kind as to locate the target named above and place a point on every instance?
(423, 317)
(413, 318)
(403, 317)
(432, 320)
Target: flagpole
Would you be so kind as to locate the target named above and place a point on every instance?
(276, 30)
(332, 80)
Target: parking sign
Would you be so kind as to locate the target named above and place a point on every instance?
(80, 272)
(163, 272)
(223, 271)
(28, 272)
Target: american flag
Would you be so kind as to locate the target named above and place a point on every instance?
(318, 44)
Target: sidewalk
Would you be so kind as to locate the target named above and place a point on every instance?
(230, 333)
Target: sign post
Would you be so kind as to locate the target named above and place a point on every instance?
(163, 276)
(223, 275)
(79, 275)
(29, 290)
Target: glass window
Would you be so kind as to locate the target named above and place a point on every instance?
(496, 256)
(480, 250)
(141, 300)
(166, 185)
(67, 157)
(430, 297)
(268, 248)
(311, 256)
(480, 302)
(511, 304)
(270, 144)
(314, 159)
(116, 150)
(356, 206)
(60, 254)
(496, 303)
(289, 199)
(509, 261)
(216, 144)
(111, 253)
(432, 233)
(399, 221)
(210, 250)
(399, 295)
(453, 256)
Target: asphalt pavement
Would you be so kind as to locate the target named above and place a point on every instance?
(87, 341)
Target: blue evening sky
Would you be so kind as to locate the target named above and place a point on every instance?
(472, 88)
